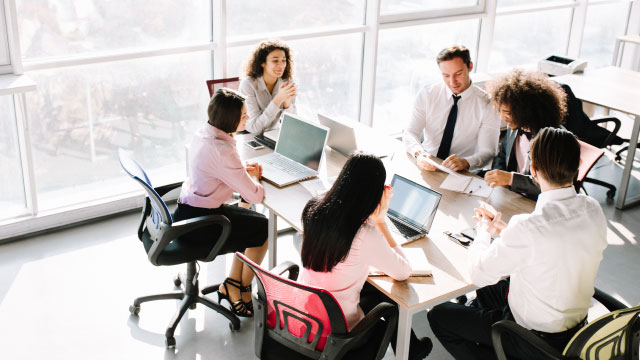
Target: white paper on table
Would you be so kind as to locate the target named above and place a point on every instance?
(466, 184)
(318, 186)
(439, 166)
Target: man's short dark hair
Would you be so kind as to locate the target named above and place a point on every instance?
(453, 52)
(225, 110)
(555, 154)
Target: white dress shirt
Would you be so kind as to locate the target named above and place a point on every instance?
(552, 256)
(346, 279)
(475, 136)
(263, 112)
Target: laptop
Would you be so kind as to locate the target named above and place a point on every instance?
(298, 152)
(343, 139)
(411, 209)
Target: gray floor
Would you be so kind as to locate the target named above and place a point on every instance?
(65, 295)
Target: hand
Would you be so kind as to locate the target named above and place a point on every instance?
(498, 178)
(286, 93)
(489, 221)
(380, 213)
(422, 163)
(455, 163)
(254, 170)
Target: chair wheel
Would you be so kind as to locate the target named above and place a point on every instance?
(134, 309)
(234, 327)
(170, 342)
(177, 281)
(611, 194)
(192, 306)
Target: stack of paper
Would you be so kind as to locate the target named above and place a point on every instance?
(462, 183)
(417, 259)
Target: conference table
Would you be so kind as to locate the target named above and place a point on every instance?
(448, 259)
(618, 89)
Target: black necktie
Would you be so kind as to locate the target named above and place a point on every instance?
(447, 137)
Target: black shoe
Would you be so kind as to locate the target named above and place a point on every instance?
(420, 349)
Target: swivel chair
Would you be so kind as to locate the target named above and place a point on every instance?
(231, 83)
(160, 236)
(308, 321)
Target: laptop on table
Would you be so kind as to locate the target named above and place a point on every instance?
(411, 209)
(343, 139)
(298, 152)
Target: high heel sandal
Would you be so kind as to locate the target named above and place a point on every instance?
(238, 307)
(249, 304)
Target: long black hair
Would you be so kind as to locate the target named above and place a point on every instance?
(331, 222)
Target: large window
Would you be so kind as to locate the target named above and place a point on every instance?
(523, 39)
(56, 28)
(4, 41)
(258, 16)
(605, 22)
(327, 73)
(407, 62)
(393, 6)
(12, 196)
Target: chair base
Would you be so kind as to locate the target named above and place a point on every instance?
(190, 296)
(612, 189)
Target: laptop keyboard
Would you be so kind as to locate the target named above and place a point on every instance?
(403, 229)
(288, 166)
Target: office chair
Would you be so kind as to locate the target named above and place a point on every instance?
(307, 320)
(230, 83)
(589, 155)
(161, 239)
(589, 131)
(615, 335)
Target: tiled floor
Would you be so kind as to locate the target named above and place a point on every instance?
(65, 295)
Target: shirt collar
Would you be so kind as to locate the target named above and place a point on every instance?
(555, 195)
(216, 133)
(462, 94)
(263, 86)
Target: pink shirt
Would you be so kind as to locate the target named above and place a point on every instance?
(522, 152)
(345, 281)
(216, 171)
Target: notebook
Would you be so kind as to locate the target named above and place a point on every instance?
(343, 139)
(417, 259)
(411, 209)
(298, 152)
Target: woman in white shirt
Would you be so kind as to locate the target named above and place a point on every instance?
(268, 86)
(345, 232)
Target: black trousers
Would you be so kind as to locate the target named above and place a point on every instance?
(465, 331)
(248, 228)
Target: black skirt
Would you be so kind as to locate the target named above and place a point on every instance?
(248, 228)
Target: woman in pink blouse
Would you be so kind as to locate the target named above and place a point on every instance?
(345, 233)
(215, 172)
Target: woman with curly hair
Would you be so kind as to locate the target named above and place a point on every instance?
(268, 86)
(527, 102)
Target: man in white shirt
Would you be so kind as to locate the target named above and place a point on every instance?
(453, 120)
(551, 255)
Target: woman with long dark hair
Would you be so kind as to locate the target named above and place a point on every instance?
(215, 172)
(345, 232)
(268, 85)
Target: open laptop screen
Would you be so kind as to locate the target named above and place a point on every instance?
(301, 141)
(413, 203)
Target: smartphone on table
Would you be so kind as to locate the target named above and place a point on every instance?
(254, 145)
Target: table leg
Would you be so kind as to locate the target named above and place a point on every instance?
(621, 202)
(272, 238)
(404, 334)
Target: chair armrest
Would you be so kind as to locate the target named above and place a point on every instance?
(359, 335)
(287, 266)
(182, 227)
(165, 189)
(510, 327)
(614, 132)
(611, 303)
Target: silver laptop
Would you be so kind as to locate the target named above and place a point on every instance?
(298, 152)
(411, 209)
(343, 139)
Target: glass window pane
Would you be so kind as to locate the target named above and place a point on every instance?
(524, 39)
(327, 81)
(394, 6)
(603, 25)
(66, 27)
(258, 16)
(12, 196)
(407, 62)
(507, 3)
(80, 116)
(4, 43)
